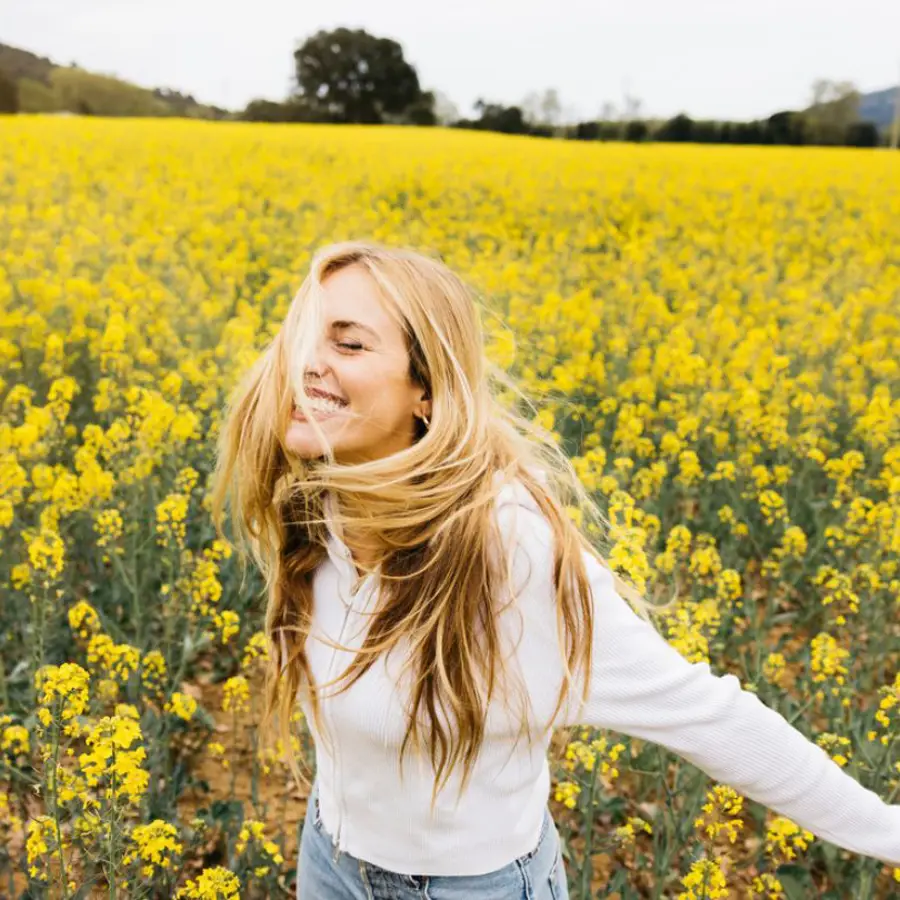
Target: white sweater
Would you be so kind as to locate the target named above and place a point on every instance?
(640, 686)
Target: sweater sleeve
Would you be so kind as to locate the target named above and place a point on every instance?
(642, 686)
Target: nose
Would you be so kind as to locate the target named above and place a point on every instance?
(316, 365)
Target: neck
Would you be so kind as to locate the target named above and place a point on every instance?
(363, 546)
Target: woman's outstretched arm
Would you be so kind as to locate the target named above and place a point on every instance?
(641, 686)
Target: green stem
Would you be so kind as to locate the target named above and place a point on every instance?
(135, 583)
(886, 761)
(4, 691)
(587, 866)
(54, 805)
(135, 593)
(662, 861)
(113, 868)
(865, 885)
(38, 611)
(800, 711)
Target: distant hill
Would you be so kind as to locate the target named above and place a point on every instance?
(18, 64)
(878, 107)
(45, 86)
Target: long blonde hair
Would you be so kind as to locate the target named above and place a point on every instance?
(430, 506)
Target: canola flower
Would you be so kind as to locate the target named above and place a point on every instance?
(710, 331)
(785, 839)
(263, 853)
(155, 846)
(217, 883)
(705, 881)
(182, 705)
(722, 810)
(114, 761)
(63, 692)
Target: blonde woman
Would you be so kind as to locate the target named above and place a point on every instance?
(437, 612)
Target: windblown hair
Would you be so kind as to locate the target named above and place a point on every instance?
(430, 506)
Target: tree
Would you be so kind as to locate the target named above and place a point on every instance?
(353, 76)
(631, 106)
(636, 131)
(9, 94)
(445, 110)
(531, 107)
(266, 111)
(496, 117)
(542, 108)
(608, 112)
(551, 108)
(679, 128)
(587, 131)
(786, 127)
(861, 134)
(419, 112)
(834, 107)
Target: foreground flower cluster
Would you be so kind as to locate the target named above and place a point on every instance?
(713, 333)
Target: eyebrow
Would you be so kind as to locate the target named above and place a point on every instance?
(345, 323)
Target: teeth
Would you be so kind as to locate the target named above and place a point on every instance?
(321, 405)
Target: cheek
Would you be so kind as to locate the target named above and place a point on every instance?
(376, 391)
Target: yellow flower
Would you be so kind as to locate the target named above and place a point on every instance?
(62, 691)
(47, 555)
(229, 624)
(722, 803)
(14, 739)
(117, 661)
(83, 620)
(153, 672)
(217, 750)
(171, 516)
(113, 763)
(774, 668)
(39, 844)
(705, 881)
(784, 838)
(768, 886)
(567, 793)
(154, 845)
(182, 705)
(838, 747)
(236, 694)
(217, 883)
(256, 648)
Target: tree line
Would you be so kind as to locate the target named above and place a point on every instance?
(348, 75)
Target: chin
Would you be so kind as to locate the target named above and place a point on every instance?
(310, 448)
(305, 450)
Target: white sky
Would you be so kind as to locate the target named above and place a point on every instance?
(710, 58)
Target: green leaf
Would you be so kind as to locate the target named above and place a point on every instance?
(795, 880)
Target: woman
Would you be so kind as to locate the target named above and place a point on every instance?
(437, 611)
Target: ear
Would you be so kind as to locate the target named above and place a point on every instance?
(424, 406)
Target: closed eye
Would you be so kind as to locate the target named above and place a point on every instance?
(349, 345)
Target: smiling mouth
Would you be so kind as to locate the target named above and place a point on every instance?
(321, 410)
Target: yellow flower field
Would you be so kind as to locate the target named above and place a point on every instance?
(713, 333)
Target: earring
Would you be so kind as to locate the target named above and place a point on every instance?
(425, 420)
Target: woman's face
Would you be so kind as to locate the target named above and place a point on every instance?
(363, 361)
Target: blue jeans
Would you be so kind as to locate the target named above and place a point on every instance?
(538, 875)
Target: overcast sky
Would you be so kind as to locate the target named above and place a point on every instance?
(709, 58)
